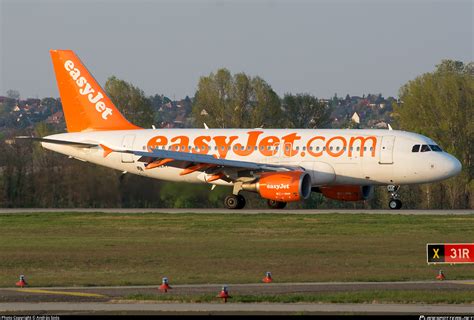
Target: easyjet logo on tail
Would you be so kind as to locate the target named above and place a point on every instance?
(86, 89)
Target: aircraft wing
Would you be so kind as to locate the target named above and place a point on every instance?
(196, 158)
(187, 160)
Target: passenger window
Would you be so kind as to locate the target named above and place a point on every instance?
(415, 148)
(425, 148)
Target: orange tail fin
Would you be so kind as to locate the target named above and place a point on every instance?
(86, 106)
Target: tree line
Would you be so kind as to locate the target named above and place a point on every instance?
(438, 104)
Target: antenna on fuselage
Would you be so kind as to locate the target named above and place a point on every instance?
(389, 126)
(205, 126)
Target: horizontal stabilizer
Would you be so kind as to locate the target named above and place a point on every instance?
(63, 142)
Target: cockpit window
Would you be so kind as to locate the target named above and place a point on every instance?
(425, 148)
(415, 148)
(435, 148)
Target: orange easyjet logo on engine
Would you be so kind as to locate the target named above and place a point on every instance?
(86, 89)
(285, 146)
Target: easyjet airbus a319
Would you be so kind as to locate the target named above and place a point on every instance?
(281, 165)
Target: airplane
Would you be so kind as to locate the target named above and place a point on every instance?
(281, 165)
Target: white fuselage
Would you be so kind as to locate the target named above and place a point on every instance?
(331, 156)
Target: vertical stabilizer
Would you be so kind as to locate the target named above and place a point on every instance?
(85, 104)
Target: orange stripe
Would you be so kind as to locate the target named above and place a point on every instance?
(158, 163)
(107, 150)
(215, 177)
(196, 167)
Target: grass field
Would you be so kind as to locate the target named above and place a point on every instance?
(67, 249)
(369, 296)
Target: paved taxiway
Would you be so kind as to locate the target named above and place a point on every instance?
(243, 211)
(103, 300)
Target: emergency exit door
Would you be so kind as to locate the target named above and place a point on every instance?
(127, 144)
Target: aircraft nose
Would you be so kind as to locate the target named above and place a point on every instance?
(452, 166)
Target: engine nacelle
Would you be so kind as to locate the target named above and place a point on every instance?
(282, 186)
(348, 193)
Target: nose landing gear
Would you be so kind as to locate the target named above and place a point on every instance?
(395, 203)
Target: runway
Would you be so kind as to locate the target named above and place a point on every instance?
(243, 211)
(230, 308)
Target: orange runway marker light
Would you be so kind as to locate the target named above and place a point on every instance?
(164, 287)
(224, 294)
(440, 275)
(268, 277)
(22, 282)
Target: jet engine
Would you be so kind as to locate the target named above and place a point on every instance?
(282, 186)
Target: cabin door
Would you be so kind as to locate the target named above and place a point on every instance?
(386, 150)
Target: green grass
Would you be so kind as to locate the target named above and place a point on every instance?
(411, 296)
(64, 249)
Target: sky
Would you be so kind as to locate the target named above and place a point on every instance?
(164, 47)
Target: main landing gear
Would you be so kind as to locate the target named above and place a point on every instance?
(395, 203)
(234, 201)
(273, 204)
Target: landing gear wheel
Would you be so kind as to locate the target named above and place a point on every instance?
(395, 204)
(241, 201)
(234, 201)
(273, 204)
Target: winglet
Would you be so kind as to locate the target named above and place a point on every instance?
(107, 150)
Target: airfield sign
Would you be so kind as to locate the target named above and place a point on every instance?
(450, 253)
